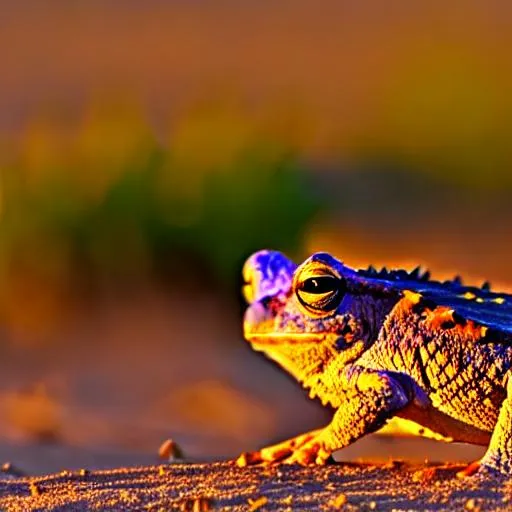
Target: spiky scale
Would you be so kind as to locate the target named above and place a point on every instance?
(383, 272)
(371, 270)
(425, 276)
(415, 273)
(457, 281)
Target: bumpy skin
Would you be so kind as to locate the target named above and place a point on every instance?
(376, 345)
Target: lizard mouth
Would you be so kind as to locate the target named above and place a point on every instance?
(259, 330)
(286, 338)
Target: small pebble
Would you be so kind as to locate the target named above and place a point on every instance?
(257, 503)
(170, 451)
(34, 490)
(471, 504)
(288, 500)
(11, 471)
(339, 502)
(200, 504)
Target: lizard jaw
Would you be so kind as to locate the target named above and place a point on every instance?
(287, 338)
(259, 330)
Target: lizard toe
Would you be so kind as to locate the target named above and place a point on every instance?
(312, 453)
(248, 459)
(470, 470)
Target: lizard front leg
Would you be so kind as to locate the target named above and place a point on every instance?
(370, 398)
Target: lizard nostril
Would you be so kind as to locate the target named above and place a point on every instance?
(255, 314)
(346, 330)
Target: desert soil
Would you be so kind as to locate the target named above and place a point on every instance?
(223, 486)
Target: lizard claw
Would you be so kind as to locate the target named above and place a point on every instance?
(248, 459)
(301, 449)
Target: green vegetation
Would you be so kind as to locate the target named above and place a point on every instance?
(105, 202)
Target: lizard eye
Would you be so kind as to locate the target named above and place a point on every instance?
(320, 294)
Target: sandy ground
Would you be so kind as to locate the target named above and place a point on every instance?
(223, 486)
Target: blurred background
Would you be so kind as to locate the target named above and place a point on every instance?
(147, 148)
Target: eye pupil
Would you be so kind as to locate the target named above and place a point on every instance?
(322, 284)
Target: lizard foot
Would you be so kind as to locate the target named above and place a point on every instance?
(469, 470)
(446, 471)
(433, 473)
(280, 452)
(479, 469)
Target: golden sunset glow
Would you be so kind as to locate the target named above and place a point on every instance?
(148, 148)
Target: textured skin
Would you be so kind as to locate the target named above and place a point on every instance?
(376, 345)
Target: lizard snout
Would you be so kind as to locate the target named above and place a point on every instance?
(267, 274)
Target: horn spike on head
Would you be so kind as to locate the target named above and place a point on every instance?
(457, 280)
(415, 274)
(486, 286)
(425, 276)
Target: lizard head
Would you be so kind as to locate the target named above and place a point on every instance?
(304, 316)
